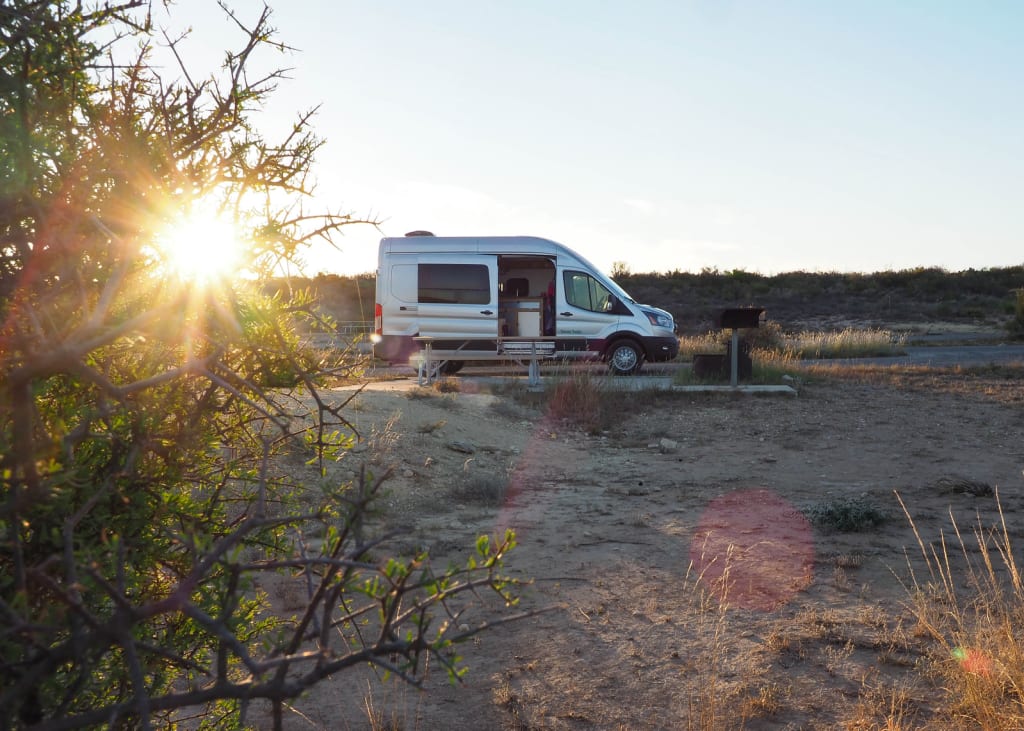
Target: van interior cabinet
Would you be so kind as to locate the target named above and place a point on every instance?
(522, 316)
(528, 323)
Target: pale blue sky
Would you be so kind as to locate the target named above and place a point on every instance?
(768, 136)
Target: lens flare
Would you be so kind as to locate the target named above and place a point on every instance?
(201, 246)
(973, 661)
(753, 549)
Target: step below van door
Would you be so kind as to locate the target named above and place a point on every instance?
(458, 297)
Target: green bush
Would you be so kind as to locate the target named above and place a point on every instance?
(845, 515)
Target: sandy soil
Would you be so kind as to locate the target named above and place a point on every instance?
(631, 536)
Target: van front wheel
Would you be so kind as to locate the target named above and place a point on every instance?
(625, 358)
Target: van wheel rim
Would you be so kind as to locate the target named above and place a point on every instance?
(624, 358)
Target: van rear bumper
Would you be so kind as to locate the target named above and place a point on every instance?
(660, 348)
(396, 348)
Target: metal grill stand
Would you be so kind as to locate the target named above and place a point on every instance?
(738, 318)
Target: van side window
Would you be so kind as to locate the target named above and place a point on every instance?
(456, 284)
(585, 292)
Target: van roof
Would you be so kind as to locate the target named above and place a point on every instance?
(473, 244)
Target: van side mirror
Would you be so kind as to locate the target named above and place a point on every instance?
(615, 306)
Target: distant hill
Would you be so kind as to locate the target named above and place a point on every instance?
(984, 297)
(796, 300)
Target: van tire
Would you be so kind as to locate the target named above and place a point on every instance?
(624, 357)
(451, 367)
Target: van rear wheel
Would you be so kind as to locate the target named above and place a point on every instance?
(451, 367)
(625, 358)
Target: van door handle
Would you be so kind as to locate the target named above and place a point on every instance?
(412, 308)
(486, 312)
(565, 314)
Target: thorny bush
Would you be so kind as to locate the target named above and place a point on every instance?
(141, 506)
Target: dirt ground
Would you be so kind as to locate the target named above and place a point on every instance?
(684, 550)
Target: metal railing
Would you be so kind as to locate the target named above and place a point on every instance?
(352, 328)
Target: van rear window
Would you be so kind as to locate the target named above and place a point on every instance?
(457, 284)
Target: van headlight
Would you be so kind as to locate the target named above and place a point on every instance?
(659, 319)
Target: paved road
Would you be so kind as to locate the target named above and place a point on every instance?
(940, 356)
(943, 355)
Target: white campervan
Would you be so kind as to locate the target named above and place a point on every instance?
(472, 297)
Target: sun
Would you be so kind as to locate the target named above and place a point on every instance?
(201, 246)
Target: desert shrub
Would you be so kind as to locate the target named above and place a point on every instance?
(442, 398)
(768, 337)
(1016, 325)
(586, 402)
(845, 515)
(582, 400)
(577, 397)
(144, 410)
(482, 489)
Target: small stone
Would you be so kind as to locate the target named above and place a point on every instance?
(408, 473)
(428, 461)
(463, 627)
(360, 448)
(668, 445)
(463, 447)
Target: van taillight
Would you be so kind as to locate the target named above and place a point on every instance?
(378, 319)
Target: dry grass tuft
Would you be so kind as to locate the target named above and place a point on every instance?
(447, 385)
(431, 426)
(969, 602)
(771, 339)
(580, 399)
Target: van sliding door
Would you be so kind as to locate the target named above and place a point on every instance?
(458, 298)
